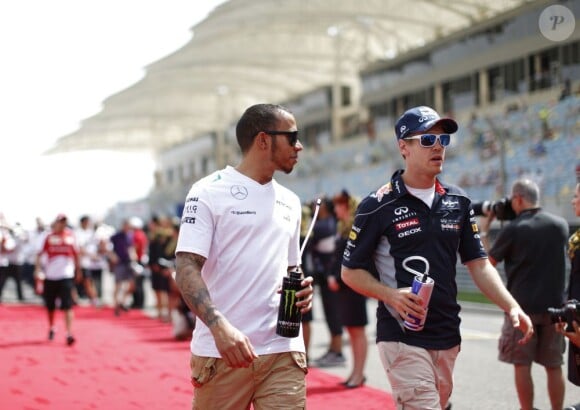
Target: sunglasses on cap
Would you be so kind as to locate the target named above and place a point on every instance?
(292, 136)
(429, 140)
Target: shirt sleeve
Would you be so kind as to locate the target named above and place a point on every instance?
(363, 238)
(197, 226)
(503, 243)
(470, 246)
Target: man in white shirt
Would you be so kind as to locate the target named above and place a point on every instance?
(239, 236)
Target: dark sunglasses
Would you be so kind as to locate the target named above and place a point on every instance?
(428, 140)
(291, 135)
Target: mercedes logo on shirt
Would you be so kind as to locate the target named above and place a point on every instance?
(239, 192)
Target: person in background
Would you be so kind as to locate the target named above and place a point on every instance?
(239, 237)
(182, 320)
(7, 245)
(61, 269)
(573, 294)
(92, 263)
(323, 256)
(416, 215)
(33, 241)
(352, 306)
(123, 259)
(141, 244)
(533, 246)
(11, 258)
(160, 236)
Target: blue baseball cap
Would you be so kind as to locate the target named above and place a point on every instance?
(420, 119)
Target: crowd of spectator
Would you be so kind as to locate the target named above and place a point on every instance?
(136, 256)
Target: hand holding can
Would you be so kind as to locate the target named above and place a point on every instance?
(423, 287)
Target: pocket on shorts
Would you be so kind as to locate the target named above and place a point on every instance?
(509, 350)
(389, 352)
(300, 359)
(203, 369)
(504, 345)
(417, 397)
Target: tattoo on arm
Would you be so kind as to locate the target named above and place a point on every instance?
(193, 288)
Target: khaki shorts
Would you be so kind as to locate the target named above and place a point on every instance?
(421, 379)
(546, 347)
(274, 381)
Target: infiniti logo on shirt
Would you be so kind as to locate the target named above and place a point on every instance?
(401, 210)
(239, 192)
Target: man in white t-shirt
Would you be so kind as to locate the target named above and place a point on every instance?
(239, 236)
(92, 258)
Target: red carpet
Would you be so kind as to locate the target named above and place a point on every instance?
(131, 362)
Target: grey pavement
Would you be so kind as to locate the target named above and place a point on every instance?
(481, 381)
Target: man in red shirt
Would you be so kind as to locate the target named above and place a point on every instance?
(61, 268)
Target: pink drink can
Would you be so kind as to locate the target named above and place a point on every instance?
(424, 290)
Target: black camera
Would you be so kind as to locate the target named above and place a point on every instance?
(502, 209)
(569, 312)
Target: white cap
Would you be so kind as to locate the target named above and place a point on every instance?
(136, 222)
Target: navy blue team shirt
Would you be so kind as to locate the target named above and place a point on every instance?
(387, 229)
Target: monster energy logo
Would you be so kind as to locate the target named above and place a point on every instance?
(289, 301)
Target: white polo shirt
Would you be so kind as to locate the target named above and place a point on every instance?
(249, 234)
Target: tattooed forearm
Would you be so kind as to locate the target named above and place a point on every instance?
(193, 288)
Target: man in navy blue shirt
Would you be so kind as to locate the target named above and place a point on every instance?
(416, 216)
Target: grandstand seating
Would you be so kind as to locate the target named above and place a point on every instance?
(361, 165)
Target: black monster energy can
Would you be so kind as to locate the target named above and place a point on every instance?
(289, 315)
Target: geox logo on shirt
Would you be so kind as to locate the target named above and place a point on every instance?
(409, 232)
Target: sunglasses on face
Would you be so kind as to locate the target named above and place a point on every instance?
(292, 136)
(429, 140)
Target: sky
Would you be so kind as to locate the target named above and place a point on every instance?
(60, 60)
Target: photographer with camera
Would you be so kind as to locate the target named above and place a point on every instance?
(573, 332)
(532, 247)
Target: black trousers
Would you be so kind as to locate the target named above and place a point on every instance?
(139, 293)
(14, 272)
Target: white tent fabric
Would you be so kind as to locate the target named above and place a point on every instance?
(249, 51)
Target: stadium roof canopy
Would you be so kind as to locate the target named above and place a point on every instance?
(249, 51)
